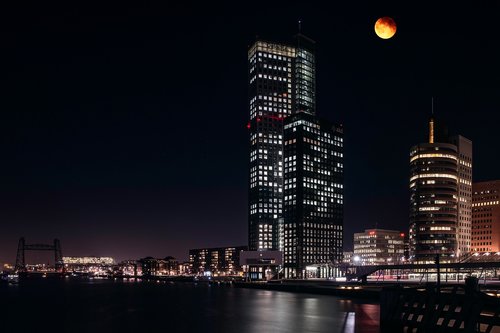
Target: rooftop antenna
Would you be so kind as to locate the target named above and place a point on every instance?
(431, 122)
(300, 26)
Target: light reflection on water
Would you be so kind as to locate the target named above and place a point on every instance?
(107, 306)
(271, 311)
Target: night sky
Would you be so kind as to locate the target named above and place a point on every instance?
(123, 128)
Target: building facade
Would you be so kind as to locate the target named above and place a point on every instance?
(216, 261)
(486, 217)
(90, 265)
(379, 247)
(261, 265)
(167, 266)
(464, 174)
(313, 196)
(440, 197)
(281, 82)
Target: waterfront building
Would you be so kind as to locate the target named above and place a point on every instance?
(440, 197)
(379, 247)
(167, 266)
(128, 268)
(281, 82)
(261, 265)
(185, 268)
(486, 217)
(347, 257)
(89, 265)
(313, 197)
(216, 261)
(88, 261)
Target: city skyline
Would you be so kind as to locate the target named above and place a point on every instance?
(118, 142)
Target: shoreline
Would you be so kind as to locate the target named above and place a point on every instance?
(351, 291)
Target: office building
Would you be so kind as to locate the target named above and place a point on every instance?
(379, 247)
(281, 83)
(464, 174)
(440, 197)
(216, 261)
(313, 196)
(486, 217)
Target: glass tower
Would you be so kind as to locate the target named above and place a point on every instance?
(281, 82)
(314, 197)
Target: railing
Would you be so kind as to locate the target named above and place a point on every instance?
(456, 308)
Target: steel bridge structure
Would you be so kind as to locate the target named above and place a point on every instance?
(23, 247)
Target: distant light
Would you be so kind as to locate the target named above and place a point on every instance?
(402, 234)
(248, 125)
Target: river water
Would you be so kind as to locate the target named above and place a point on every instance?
(115, 306)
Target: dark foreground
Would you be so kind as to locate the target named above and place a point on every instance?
(115, 306)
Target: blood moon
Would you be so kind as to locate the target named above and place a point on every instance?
(385, 27)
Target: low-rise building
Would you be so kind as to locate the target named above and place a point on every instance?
(378, 247)
(347, 257)
(216, 261)
(89, 265)
(167, 266)
(261, 265)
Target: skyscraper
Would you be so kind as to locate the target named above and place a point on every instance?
(281, 82)
(440, 197)
(464, 164)
(313, 201)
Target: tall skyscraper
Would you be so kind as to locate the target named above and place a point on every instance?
(281, 82)
(313, 202)
(486, 216)
(440, 197)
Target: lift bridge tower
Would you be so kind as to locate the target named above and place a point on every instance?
(22, 247)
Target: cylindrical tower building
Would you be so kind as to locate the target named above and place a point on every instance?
(434, 182)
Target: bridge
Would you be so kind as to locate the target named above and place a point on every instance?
(23, 247)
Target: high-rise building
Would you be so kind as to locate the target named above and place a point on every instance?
(313, 196)
(281, 83)
(379, 247)
(486, 216)
(464, 163)
(440, 197)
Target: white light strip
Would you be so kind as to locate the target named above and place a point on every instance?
(433, 155)
(433, 175)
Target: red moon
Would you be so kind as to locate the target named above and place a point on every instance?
(385, 27)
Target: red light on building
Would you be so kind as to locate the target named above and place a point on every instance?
(258, 119)
(372, 232)
(402, 234)
(248, 125)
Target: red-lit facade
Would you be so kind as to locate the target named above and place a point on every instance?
(486, 217)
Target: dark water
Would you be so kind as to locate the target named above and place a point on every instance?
(107, 306)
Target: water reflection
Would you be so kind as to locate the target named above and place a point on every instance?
(150, 307)
(268, 311)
